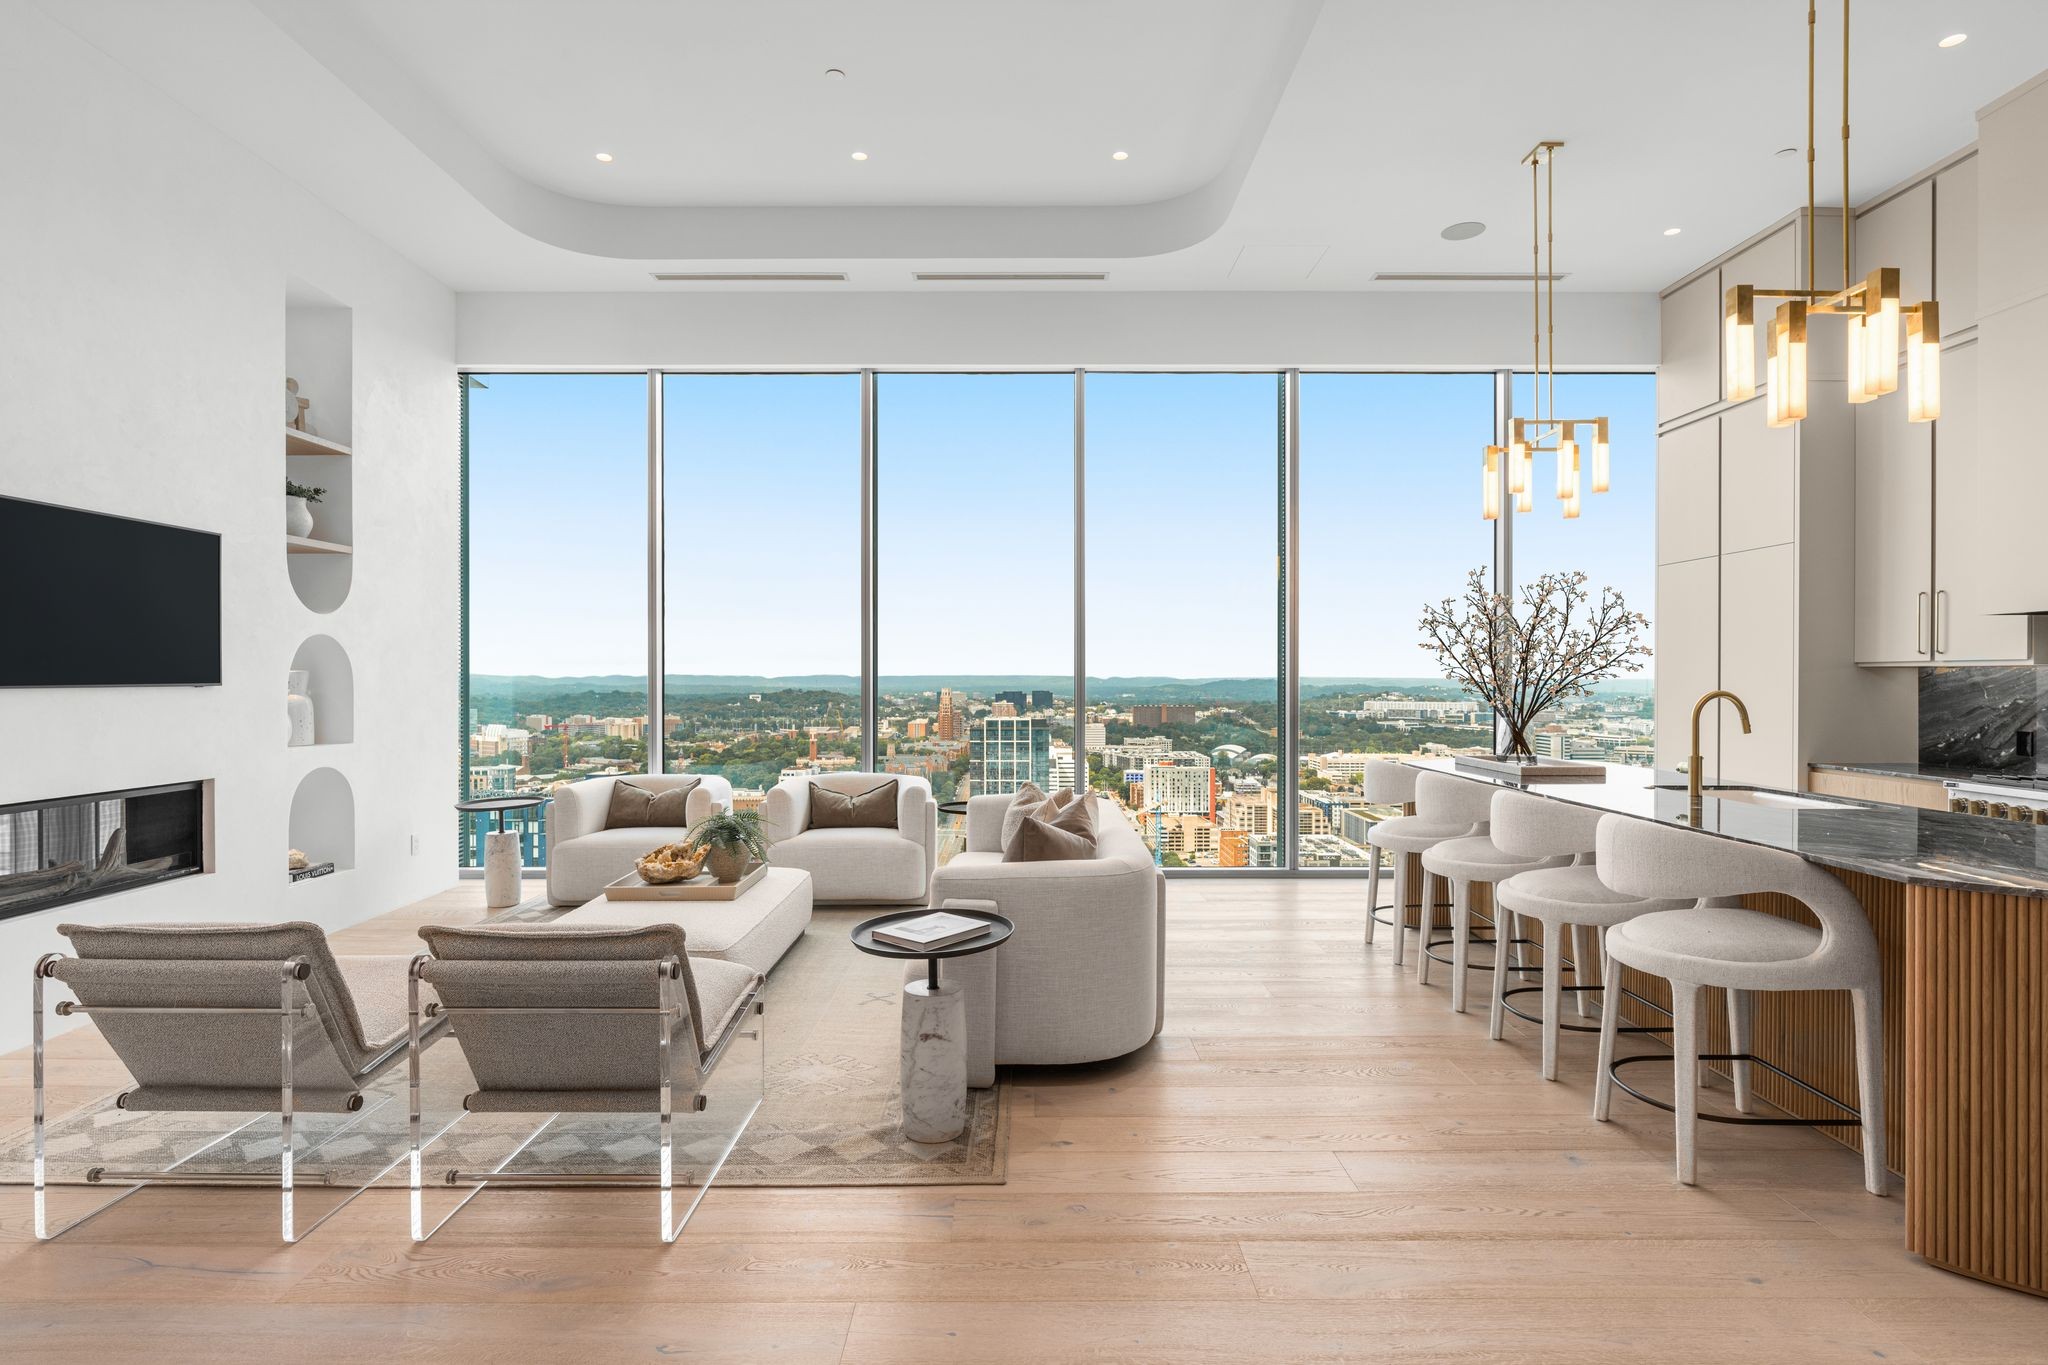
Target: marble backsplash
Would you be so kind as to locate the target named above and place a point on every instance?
(1973, 717)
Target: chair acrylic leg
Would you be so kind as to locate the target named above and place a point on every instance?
(1461, 940)
(665, 1021)
(1610, 1023)
(1685, 1077)
(1870, 1083)
(1741, 1018)
(412, 1076)
(1400, 909)
(286, 1018)
(1553, 992)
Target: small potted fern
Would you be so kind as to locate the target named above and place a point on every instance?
(730, 840)
(298, 511)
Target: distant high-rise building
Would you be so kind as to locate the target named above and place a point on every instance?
(1180, 788)
(1004, 708)
(537, 721)
(1015, 699)
(916, 728)
(1095, 735)
(951, 725)
(1005, 752)
(1062, 767)
(1154, 717)
(1041, 699)
(1233, 848)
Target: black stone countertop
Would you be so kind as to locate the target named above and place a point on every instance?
(1900, 843)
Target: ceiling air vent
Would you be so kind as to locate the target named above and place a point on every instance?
(750, 277)
(1458, 277)
(1005, 276)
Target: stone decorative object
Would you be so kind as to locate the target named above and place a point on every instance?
(298, 707)
(501, 869)
(294, 406)
(298, 517)
(670, 863)
(934, 1077)
(294, 860)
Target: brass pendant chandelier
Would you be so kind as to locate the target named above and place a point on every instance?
(1871, 305)
(1526, 435)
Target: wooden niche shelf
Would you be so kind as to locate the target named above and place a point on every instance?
(298, 442)
(302, 545)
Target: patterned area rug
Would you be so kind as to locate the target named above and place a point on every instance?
(829, 1115)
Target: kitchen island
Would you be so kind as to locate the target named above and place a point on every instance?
(1959, 904)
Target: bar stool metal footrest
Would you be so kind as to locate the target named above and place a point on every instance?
(1478, 938)
(1537, 1019)
(1855, 1118)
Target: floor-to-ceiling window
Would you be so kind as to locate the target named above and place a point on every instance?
(1187, 723)
(1183, 554)
(1613, 541)
(1390, 520)
(974, 566)
(557, 585)
(761, 572)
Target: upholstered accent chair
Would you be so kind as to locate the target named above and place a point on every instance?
(1084, 977)
(588, 1021)
(584, 857)
(235, 1019)
(868, 866)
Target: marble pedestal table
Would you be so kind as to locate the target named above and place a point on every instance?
(501, 847)
(934, 1058)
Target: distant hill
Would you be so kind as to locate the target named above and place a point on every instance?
(1119, 689)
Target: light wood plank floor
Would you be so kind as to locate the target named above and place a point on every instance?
(1316, 1162)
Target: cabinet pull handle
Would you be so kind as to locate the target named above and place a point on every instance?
(1941, 621)
(1920, 626)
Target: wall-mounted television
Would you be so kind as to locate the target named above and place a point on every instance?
(99, 601)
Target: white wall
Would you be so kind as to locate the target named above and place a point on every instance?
(797, 326)
(143, 269)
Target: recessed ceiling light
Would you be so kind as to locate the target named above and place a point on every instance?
(604, 157)
(1954, 40)
(833, 73)
(1672, 232)
(1462, 232)
(860, 156)
(1119, 156)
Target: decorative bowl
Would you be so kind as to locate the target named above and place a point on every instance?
(670, 863)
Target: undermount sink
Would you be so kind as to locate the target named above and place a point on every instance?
(1757, 796)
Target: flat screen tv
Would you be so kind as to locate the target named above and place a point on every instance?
(99, 601)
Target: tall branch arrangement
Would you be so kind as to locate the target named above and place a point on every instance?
(1523, 657)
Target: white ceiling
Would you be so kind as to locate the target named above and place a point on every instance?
(1275, 144)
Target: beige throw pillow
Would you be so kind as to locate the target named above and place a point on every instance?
(1029, 800)
(1064, 835)
(637, 807)
(874, 808)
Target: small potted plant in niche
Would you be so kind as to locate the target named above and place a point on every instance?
(298, 511)
(730, 840)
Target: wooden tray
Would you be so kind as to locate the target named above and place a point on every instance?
(702, 887)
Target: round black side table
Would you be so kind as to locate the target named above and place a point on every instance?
(934, 1057)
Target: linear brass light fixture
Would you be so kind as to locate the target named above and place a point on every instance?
(1871, 305)
(1526, 435)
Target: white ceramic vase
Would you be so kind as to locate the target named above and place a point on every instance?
(298, 517)
(298, 707)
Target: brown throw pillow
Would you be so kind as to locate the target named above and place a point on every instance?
(637, 807)
(1064, 836)
(874, 808)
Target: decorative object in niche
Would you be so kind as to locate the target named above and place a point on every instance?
(299, 707)
(294, 860)
(298, 509)
(295, 407)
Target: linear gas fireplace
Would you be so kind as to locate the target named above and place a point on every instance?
(76, 847)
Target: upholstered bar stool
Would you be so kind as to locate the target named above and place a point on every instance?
(1465, 862)
(1741, 951)
(1389, 782)
(1556, 898)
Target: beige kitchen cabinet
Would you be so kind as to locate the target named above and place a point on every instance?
(1919, 792)
(1955, 246)
(1899, 232)
(1771, 261)
(1894, 535)
(1759, 636)
(1689, 371)
(1689, 491)
(1968, 569)
(1759, 479)
(1688, 656)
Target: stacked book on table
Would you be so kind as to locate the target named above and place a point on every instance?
(936, 930)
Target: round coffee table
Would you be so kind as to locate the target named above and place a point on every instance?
(501, 847)
(934, 1060)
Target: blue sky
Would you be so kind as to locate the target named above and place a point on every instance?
(975, 520)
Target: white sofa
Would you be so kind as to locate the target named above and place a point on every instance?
(857, 866)
(584, 856)
(1084, 977)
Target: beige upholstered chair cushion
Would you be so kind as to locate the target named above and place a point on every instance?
(1065, 834)
(874, 808)
(637, 807)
